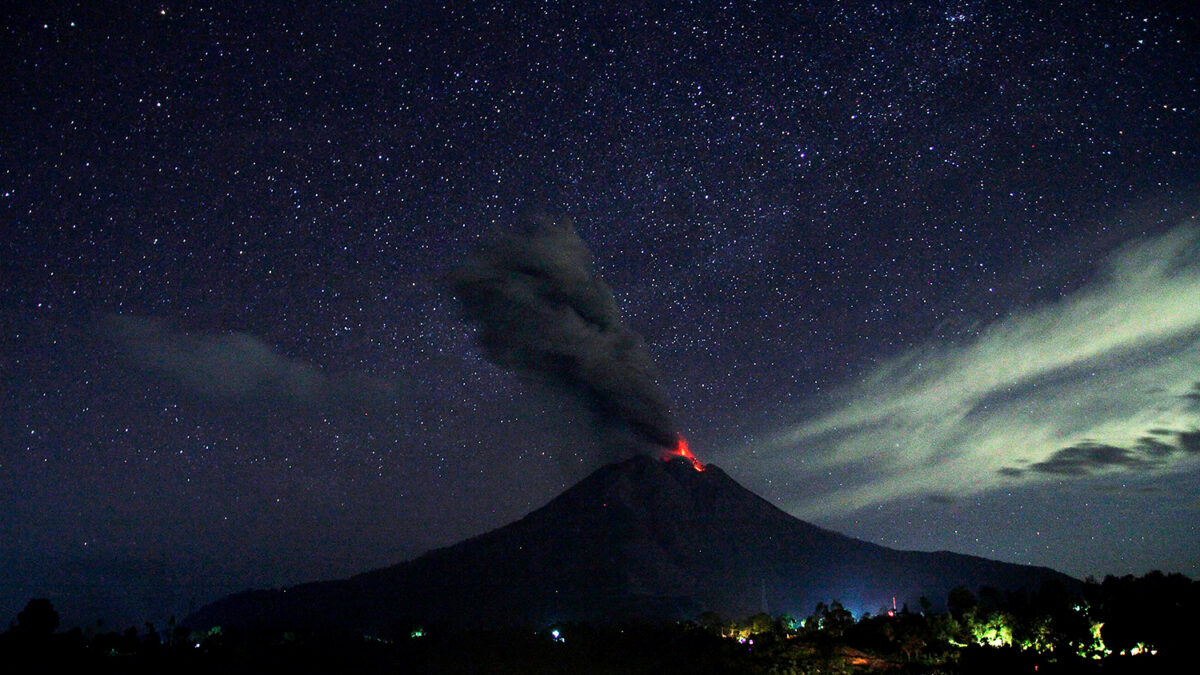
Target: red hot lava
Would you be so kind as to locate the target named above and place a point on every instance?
(681, 450)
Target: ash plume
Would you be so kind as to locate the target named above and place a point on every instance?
(544, 313)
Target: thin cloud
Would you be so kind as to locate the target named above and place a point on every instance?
(232, 365)
(1089, 383)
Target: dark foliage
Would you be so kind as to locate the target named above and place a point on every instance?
(1050, 631)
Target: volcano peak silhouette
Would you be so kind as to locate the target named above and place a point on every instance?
(637, 539)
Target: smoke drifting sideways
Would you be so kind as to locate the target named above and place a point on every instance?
(544, 313)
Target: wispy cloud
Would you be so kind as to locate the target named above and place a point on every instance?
(1103, 380)
(233, 365)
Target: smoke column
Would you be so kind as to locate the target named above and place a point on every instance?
(544, 313)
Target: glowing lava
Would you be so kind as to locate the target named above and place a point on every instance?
(681, 450)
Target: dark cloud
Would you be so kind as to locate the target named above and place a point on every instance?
(1189, 441)
(940, 498)
(1194, 395)
(1087, 457)
(544, 313)
(233, 365)
(1148, 489)
(1124, 489)
(1153, 447)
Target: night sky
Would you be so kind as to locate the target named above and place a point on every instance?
(926, 275)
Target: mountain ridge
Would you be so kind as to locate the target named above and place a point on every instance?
(638, 539)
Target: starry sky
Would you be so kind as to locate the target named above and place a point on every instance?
(924, 274)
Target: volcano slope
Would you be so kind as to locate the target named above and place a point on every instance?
(638, 539)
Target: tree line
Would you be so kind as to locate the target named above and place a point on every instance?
(1120, 624)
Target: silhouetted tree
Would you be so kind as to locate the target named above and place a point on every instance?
(832, 619)
(959, 602)
(925, 604)
(39, 619)
(711, 621)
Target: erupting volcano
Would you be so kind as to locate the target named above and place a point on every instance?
(637, 539)
(681, 450)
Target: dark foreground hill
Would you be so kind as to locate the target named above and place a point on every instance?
(639, 539)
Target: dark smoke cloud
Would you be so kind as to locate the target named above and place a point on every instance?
(544, 313)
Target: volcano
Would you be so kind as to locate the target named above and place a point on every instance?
(638, 539)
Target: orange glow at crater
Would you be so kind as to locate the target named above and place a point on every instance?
(681, 450)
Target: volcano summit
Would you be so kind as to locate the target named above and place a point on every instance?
(637, 539)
